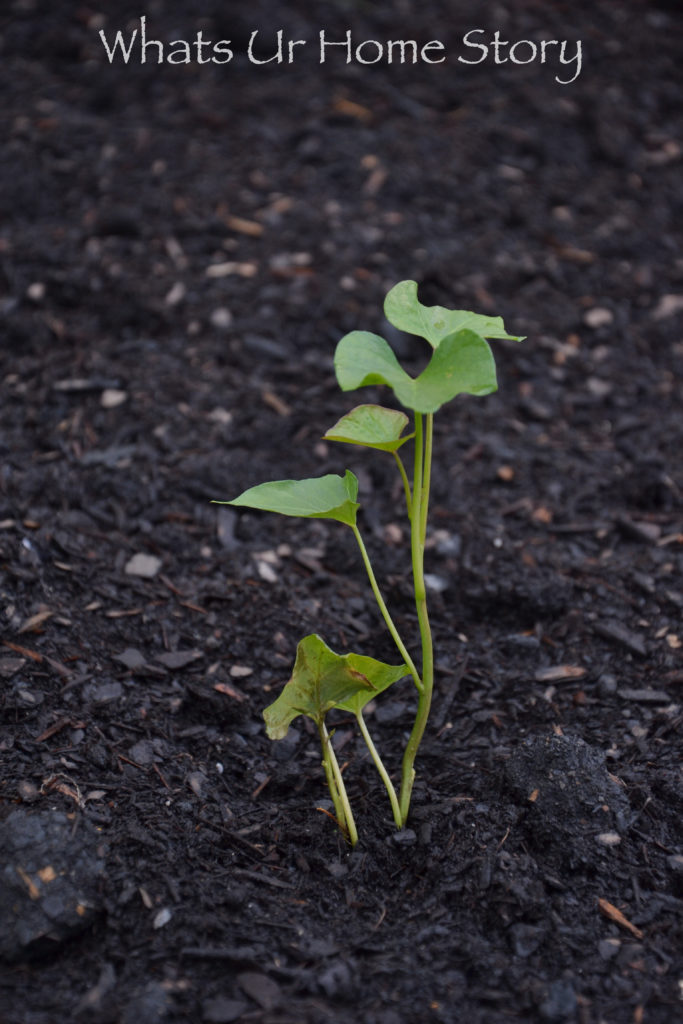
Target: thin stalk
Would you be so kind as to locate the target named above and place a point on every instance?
(389, 786)
(329, 775)
(385, 612)
(422, 473)
(406, 482)
(426, 476)
(341, 790)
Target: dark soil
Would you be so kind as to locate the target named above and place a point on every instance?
(180, 250)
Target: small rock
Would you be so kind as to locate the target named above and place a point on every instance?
(667, 306)
(266, 572)
(146, 566)
(103, 693)
(406, 837)
(598, 388)
(436, 583)
(111, 397)
(336, 980)
(560, 1002)
(608, 948)
(161, 918)
(176, 294)
(131, 658)
(221, 1010)
(607, 684)
(8, 666)
(178, 659)
(28, 792)
(36, 291)
(151, 1004)
(609, 838)
(525, 939)
(142, 752)
(221, 318)
(196, 781)
(598, 317)
(262, 989)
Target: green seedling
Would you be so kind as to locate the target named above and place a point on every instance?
(461, 363)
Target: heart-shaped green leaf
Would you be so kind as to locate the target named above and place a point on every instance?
(364, 358)
(462, 364)
(372, 426)
(381, 681)
(403, 309)
(322, 497)
(322, 680)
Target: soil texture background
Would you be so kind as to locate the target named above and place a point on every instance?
(181, 247)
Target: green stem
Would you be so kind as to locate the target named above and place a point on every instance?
(347, 813)
(329, 775)
(422, 473)
(426, 476)
(406, 482)
(385, 612)
(381, 769)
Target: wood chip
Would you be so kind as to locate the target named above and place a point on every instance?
(245, 227)
(644, 695)
(557, 673)
(34, 621)
(178, 659)
(272, 400)
(18, 649)
(229, 691)
(614, 914)
(347, 108)
(131, 658)
(230, 267)
(620, 634)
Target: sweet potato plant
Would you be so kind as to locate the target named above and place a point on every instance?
(461, 363)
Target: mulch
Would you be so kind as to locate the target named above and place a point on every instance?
(180, 249)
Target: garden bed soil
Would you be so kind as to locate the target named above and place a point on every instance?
(180, 249)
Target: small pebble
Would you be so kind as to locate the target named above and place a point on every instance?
(607, 684)
(609, 948)
(111, 397)
(609, 838)
(598, 317)
(145, 566)
(221, 318)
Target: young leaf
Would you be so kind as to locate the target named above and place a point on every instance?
(462, 364)
(322, 680)
(364, 358)
(323, 497)
(372, 426)
(381, 681)
(403, 309)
